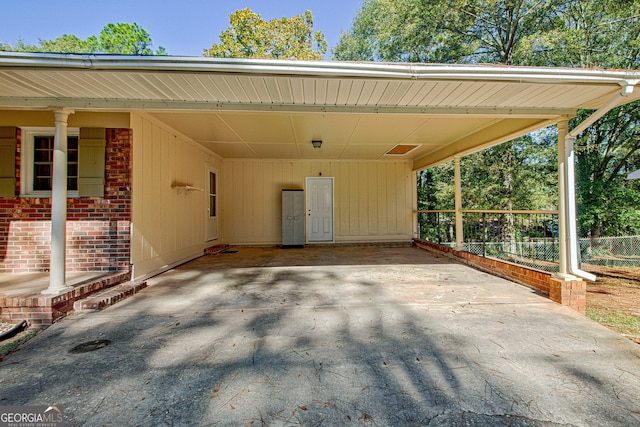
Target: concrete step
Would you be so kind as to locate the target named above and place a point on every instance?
(109, 297)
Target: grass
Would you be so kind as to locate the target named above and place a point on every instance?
(619, 321)
(9, 346)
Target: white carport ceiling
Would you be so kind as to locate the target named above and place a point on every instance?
(273, 109)
(344, 135)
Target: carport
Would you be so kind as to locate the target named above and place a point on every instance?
(327, 335)
(252, 124)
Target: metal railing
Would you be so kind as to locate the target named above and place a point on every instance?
(437, 226)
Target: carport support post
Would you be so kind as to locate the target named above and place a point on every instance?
(458, 205)
(564, 157)
(57, 276)
(565, 288)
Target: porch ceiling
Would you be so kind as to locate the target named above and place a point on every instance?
(274, 109)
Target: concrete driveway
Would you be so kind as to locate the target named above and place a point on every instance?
(376, 336)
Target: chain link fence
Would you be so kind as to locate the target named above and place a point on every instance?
(525, 238)
(611, 251)
(542, 255)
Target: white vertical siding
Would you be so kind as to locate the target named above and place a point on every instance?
(373, 200)
(168, 224)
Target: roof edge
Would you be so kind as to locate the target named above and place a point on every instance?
(373, 70)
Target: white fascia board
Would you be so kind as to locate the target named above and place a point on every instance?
(317, 68)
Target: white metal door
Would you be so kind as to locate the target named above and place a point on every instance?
(212, 203)
(319, 209)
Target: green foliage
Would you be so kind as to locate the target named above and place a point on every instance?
(122, 38)
(499, 27)
(404, 31)
(520, 174)
(588, 34)
(565, 33)
(436, 192)
(610, 204)
(249, 36)
(129, 39)
(443, 31)
(435, 187)
(68, 44)
(602, 34)
(63, 44)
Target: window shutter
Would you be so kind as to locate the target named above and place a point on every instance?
(8, 161)
(91, 162)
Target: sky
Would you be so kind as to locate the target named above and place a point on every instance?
(183, 28)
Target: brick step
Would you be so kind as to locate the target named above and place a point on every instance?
(109, 297)
(215, 250)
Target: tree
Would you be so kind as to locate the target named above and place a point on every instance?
(572, 33)
(435, 191)
(404, 31)
(443, 31)
(519, 174)
(590, 35)
(606, 153)
(68, 44)
(121, 38)
(128, 39)
(249, 36)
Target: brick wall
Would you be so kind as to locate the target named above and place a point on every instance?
(98, 228)
(572, 293)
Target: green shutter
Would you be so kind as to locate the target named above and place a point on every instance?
(8, 141)
(91, 162)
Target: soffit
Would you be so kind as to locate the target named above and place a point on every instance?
(80, 87)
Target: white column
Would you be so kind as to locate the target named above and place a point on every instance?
(416, 227)
(458, 205)
(57, 274)
(565, 164)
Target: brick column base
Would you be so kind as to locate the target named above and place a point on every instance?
(569, 292)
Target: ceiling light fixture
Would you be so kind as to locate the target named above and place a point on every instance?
(317, 143)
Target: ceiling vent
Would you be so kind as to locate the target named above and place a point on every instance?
(400, 150)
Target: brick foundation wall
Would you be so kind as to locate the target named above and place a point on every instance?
(98, 228)
(43, 310)
(572, 293)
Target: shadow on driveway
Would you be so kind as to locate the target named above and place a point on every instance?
(330, 336)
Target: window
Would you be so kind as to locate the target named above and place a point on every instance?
(36, 178)
(43, 163)
(212, 195)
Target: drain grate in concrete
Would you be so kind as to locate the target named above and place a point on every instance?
(88, 346)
